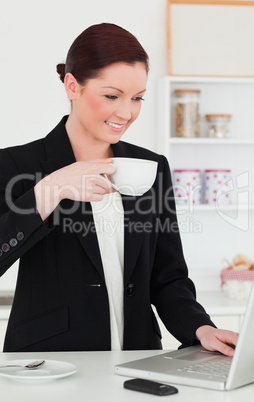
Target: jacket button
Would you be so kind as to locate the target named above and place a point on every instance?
(5, 247)
(130, 290)
(13, 242)
(20, 236)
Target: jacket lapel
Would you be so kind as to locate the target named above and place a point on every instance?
(133, 234)
(87, 237)
(59, 153)
(133, 220)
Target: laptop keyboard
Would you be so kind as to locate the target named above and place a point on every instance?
(218, 368)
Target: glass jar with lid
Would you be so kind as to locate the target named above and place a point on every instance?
(218, 125)
(187, 119)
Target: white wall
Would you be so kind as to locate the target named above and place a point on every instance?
(35, 36)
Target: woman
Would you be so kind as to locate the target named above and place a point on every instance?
(80, 287)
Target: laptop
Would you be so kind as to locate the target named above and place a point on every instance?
(195, 366)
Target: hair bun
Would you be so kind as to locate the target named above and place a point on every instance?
(60, 68)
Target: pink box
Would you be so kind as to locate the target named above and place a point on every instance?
(187, 186)
(217, 186)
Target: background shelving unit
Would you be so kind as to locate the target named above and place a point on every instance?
(210, 141)
(208, 235)
(213, 208)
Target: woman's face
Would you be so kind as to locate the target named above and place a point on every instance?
(107, 105)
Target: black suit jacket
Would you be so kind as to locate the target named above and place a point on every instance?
(61, 300)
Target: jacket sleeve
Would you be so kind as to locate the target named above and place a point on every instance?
(20, 223)
(172, 292)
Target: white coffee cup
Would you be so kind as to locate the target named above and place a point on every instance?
(133, 176)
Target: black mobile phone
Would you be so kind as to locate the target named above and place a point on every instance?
(150, 387)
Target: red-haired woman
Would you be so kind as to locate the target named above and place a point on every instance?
(89, 267)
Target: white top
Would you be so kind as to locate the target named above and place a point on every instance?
(109, 218)
(96, 380)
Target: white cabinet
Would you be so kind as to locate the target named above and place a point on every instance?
(230, 322)
(3, 326)
(4, 316)
(210, 233)
(226, 313)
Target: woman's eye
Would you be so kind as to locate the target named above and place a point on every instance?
(138, 98)
(135, 98)
(111, 97)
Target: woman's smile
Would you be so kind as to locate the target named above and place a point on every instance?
(115, 126)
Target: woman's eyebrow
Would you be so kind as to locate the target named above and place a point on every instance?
(120, 90)
(140, 92)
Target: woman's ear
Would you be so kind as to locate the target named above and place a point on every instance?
(71, 86)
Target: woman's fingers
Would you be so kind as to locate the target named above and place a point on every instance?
(220, 340)
(99, 168)
(80, 181)
(95, 184)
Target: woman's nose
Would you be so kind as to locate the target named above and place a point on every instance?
(124, 111)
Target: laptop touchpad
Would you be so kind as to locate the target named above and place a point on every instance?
(197, 355)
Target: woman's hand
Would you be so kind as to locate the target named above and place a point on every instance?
(80, 181)
(83, 181)
(214, 339)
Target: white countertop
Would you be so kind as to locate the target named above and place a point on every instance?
(215, 302)
(4, 312)
(96, 381)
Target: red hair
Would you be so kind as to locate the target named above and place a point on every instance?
(98, 47)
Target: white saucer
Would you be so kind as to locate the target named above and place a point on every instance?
(50, 370)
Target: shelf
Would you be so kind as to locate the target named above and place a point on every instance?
(210, 80)
(213, 208)
(229, 227)
(210, 141)
(220, 94)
